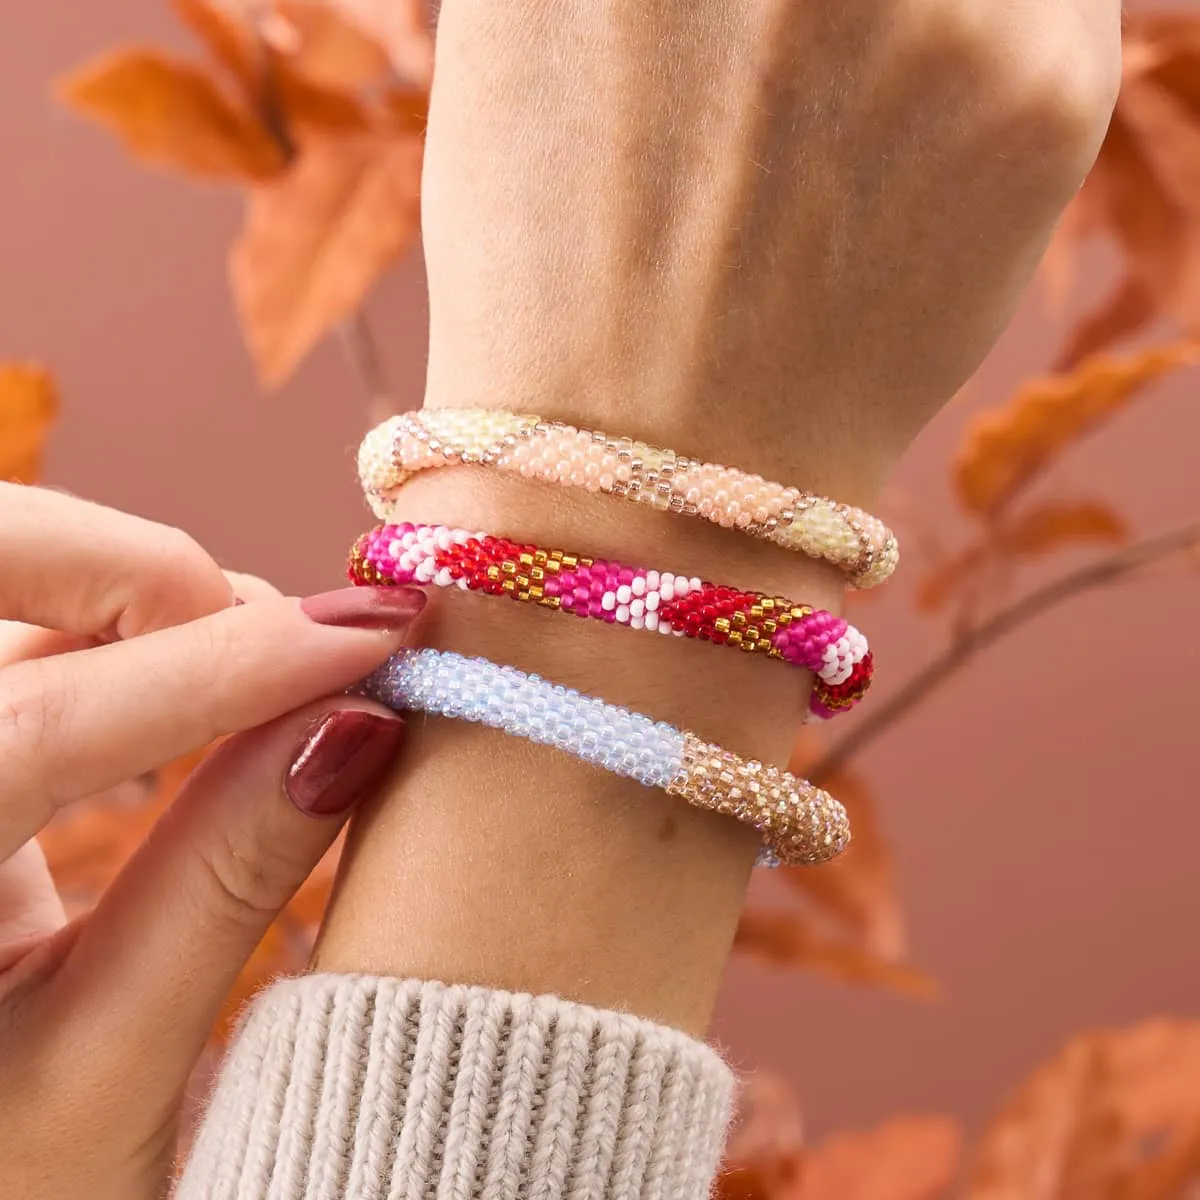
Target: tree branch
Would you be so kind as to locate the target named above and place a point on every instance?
(960, 652)
(363, 355)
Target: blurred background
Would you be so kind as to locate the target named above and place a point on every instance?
(1042, 808)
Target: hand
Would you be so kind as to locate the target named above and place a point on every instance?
(131, 653)
(776, 234)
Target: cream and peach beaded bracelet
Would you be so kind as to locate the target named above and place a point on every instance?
(438, 556)
(554, 452)
(797, 821)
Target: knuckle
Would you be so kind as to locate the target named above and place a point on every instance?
(33, 735)
(1045, 83)
(183, 581)
(246, 885)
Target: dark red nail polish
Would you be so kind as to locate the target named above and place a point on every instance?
(365, 607)
(342, 759)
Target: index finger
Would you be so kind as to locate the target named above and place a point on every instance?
(84, 569)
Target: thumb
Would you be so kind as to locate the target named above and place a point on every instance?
(153, 964)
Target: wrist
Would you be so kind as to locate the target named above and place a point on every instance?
(584, 885)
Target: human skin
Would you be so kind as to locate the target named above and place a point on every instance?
(773, 235)
(121, 649)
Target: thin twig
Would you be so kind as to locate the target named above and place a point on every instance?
(363, 355)
(938, 670)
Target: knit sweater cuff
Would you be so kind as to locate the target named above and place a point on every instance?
(349, 1088)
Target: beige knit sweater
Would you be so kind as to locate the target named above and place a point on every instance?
(357, 1088)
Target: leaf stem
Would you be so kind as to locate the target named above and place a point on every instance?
(362, 352)
(964, 648)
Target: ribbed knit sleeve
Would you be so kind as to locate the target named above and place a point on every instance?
(357, 1088)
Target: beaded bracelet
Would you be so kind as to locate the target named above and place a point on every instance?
(798, 822)
(553, 452)
(437, 555)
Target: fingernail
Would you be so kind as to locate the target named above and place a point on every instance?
(347, 754)
(365, 607)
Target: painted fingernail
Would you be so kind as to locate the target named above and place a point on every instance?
(342, 759)
(365, 607)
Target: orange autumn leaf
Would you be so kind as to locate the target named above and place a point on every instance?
(311, 108)
(407, 109)
(906, 1158)
(400, 27)
(1144, 190)
(326, 45)
(28, 406)
(88, 843)
(230, 43)
(949, 578)
(1056, 524)
(317, 239)
(273, 956)
(746, 1183)
(1096, 1118)
(858, 889)
(765, 1149)
(1005, 448)
(171, 114)
(1123, 312)
(791, 939)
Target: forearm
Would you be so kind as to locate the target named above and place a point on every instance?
(744, 232)
(492, 861)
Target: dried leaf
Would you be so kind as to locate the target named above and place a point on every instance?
(311, 107)
(172, 114)
(316, 239)
(407, 110)
(907, 1158)
(1053, 525)
(1087, 1125)
(88, 843)
(769, 1127)
(1006, 447)
(747, 1183)
(1145, 187)
(948, 579)
(326, 46)
(28, 406)
(858, 889)
(231, 43)
(307, 906)
(789, 939)
(1127, 309)
(272, 957)
(401, 27)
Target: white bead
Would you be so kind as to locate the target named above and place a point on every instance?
(443, 578)
(637, 608)
(624, 595)
(652, 601)
(651, 619)
(638, 585)
(608, 601)
(667, 590)
(637, 621)
(623, 614)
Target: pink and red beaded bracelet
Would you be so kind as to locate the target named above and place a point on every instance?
(438, 556)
